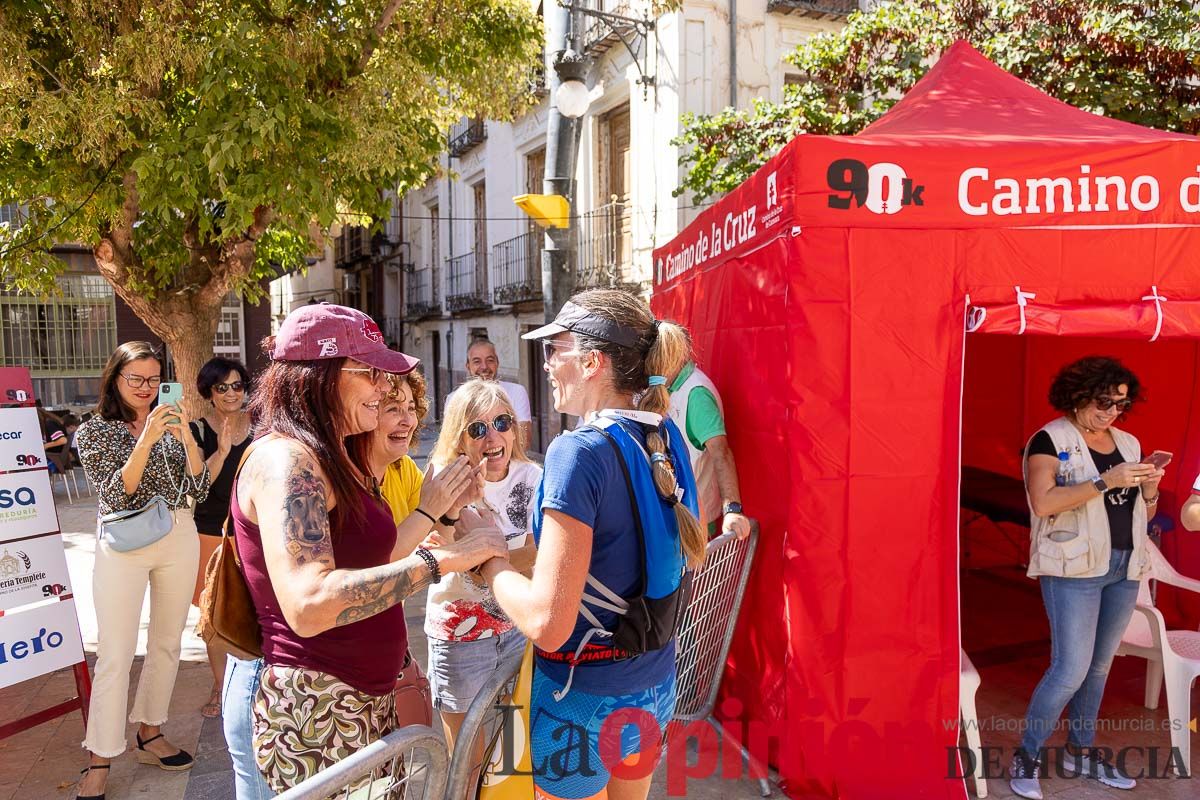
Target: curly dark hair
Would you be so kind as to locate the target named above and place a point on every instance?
(1082, 381)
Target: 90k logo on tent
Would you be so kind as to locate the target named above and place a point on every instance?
(883, 188)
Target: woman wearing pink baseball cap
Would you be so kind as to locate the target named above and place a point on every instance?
(319, 547)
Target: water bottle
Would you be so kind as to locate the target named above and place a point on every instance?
(1064, 476)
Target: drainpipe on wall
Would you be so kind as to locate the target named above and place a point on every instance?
(733, 79)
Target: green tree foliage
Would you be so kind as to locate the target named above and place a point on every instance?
(197, 145)
(1135, 60)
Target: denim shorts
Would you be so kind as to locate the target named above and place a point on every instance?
(458, 670)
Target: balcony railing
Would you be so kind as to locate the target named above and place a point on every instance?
(517, 269)
(600, 34)
(421, 295)
(814, 9)
(605, 247)
(465, 135)
(468, 282)
(537, 76)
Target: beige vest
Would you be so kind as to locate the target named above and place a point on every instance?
(1077, 543)
(707, 490)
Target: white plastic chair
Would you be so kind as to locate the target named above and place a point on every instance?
(64, 470)
(968, 685)
(1173, 655)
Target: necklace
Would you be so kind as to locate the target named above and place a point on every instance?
(1080, 425)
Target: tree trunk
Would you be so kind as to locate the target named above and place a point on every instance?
(190, 340)
(184, 318)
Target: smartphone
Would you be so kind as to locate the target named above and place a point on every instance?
(1158, 459)
(170, 394)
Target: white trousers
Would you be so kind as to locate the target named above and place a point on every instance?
(118, 587)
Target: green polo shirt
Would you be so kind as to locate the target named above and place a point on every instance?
(704, 419)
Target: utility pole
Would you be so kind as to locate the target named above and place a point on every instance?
(564, 60)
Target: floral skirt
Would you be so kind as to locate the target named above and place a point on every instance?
(305, 721)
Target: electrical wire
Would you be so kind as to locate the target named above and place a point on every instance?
(64, 220)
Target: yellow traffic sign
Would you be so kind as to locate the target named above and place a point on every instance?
(547, 210)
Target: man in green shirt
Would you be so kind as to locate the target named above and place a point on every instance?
(696, 410)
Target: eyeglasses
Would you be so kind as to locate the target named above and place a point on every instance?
(549, 346)
(137, 381)
(478, 428)
(222, 388)
(1105, 403)
(373, 373)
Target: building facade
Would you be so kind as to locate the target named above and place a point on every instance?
(457, 261)
(65, 340)
(477, 260)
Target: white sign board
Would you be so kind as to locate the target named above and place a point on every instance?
(20, 439)
(32, 570)
(26, 505)
(38, 640)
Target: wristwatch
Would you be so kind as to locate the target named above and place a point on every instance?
(1100, 485)
(731, 508)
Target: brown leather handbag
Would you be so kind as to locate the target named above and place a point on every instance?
(228, 618)
(414, 700)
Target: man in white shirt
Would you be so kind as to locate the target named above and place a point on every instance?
(482, 362)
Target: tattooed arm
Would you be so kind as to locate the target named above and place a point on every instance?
(290, 499)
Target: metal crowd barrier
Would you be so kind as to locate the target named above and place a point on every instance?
(703, 644)
(482, 723)
(410, 763)
(707, 630)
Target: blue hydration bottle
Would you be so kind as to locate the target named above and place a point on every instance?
(1064, 476)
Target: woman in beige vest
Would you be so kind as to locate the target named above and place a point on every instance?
(1089, 494)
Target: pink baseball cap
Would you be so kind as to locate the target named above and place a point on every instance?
(323, 330)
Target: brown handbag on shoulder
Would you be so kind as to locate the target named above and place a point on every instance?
(228, 618)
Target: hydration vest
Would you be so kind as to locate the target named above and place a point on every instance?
(649, 620)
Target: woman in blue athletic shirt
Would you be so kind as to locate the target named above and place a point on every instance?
(604, 349)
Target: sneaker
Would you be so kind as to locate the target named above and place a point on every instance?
(1023, 776)
(1090, 764)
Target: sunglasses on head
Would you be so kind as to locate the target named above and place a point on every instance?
(478, 428)
(222, 388)
(1105, 403)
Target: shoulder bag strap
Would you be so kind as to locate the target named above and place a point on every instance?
(228, 514)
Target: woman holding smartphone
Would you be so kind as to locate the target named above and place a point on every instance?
(133, 451)
(1090, 495)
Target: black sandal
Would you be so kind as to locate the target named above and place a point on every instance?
(85, 772)
(173, 763)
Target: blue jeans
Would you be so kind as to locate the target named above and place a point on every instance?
(237, 701)
(1087, 618)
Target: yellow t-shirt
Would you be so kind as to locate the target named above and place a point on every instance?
(401, 487)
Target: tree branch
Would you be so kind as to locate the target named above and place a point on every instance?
(385, 22)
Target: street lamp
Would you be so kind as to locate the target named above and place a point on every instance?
(572, 97)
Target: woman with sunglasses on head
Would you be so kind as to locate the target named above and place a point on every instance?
(615, 525)
(1090, 497)
(326, 570)
(223, 434)
(469, 636)
(132, 451)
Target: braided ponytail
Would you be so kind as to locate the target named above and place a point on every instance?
(668, 352)
(663, 350)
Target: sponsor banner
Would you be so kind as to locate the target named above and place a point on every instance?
(757, 212)
(20, 439)
(26, 505)
(15, 385)
(38, 640)
(32, 570)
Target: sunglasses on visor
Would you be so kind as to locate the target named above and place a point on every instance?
(478, 428)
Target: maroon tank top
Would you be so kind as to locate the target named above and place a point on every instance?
(367, 654)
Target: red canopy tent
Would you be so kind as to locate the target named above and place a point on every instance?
(829, 296)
